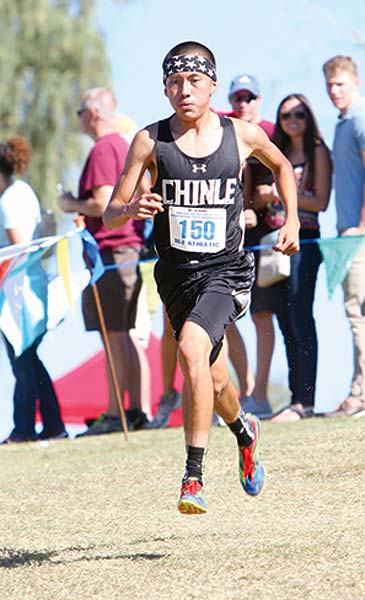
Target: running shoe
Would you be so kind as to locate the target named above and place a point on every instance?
(261, 409)
(192, 499)
(168, 403)
(14, 438)
(47, 434)
(104, 424)
(251, 470)
(136, 419)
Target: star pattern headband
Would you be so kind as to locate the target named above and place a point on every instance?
(182, 62)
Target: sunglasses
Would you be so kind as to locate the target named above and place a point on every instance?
(238, 97)
(80, 111)
(298, 114)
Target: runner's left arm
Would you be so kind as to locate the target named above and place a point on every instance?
(257, 143)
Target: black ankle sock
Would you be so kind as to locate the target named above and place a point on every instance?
(194, 465)
(242, 430)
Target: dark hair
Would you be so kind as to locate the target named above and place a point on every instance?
(191, 48)
(14, 156)
(312, 134)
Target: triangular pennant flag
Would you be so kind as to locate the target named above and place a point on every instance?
(338, 255)
(64, 269)
(25, 261)
(4, 269)
(92, 258)
(27, 310)
(23, 306)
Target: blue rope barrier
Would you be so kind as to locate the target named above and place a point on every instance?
(253, 248)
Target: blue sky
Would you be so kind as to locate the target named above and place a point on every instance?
(283, 44)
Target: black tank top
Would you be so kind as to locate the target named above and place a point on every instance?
(202, 198)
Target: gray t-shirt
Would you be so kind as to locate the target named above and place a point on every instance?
(348, 166)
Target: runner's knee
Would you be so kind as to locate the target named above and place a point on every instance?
(193, 355)
(220, 385)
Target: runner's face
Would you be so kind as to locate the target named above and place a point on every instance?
(189, 93)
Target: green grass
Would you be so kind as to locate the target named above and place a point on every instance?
(96, 518)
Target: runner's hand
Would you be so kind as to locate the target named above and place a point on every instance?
(145, 207)
(288, 239)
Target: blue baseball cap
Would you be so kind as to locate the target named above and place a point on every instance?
(244, 82)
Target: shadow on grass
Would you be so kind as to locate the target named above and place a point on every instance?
(11, 558)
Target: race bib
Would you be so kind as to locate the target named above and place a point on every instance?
(197, 229)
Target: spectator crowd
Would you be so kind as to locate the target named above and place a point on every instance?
(120, 290)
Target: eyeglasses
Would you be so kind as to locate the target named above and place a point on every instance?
(80, 111)
(298, 114)
(243, 97)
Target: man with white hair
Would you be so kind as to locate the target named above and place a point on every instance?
(119, 287)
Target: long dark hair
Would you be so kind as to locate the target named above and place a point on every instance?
(312, 134)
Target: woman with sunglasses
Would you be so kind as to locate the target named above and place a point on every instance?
(298, 137)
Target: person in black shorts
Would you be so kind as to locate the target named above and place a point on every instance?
(203, 276)
(120, 285)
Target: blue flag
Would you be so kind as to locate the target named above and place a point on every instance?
(93, 258)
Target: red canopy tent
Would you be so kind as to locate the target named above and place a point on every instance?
(83, 392)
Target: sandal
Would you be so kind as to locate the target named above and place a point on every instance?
(352, 405)
(293, 413)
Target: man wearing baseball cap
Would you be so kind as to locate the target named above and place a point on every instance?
(245, 98)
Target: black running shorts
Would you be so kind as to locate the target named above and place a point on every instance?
(211, 295)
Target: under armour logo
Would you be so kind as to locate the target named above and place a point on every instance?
(196, 168)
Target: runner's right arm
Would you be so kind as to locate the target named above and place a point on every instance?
(122, 205)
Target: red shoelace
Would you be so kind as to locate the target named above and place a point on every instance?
(248, 463)
(192, 486)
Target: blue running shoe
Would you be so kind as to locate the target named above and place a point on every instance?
(167, 404)
(251, 471)
(192, 499)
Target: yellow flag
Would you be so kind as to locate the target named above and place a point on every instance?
(64, 269)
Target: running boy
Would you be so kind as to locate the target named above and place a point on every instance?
(203, 276)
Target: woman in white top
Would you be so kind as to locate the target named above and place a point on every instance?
(19, 220)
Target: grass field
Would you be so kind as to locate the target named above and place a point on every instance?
(96, 518)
